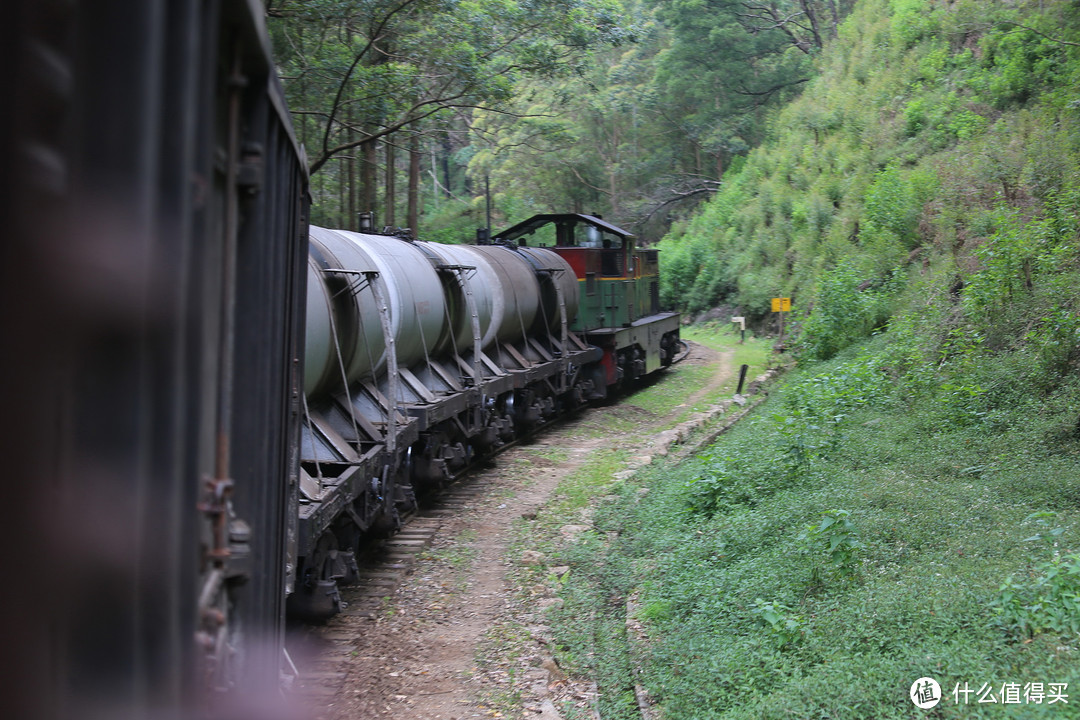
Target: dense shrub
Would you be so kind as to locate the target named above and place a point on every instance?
(847, 307)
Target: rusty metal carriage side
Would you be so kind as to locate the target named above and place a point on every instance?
(151, 281)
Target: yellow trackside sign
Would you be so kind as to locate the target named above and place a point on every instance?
(781, 304)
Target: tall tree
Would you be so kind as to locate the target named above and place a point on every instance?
(358, 71)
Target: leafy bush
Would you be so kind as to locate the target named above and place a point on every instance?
(857, 383)
(802, 438)
(835, 535)
(724, 481)
(1007, 260)
(784, 625)
(845, 310)
(961, 404)
(1049, 602)
(692, 276)
(894, 201)
(806, 431)
(1055, 340)
(1018, 64)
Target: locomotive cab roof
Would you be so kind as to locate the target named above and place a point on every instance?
(594, 230)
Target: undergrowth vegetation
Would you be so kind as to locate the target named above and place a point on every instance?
(905, 510)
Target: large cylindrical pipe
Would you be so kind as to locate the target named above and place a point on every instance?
(414, 293)
(513, 290)
(477, 278)
(552, 269)
(515, 301)
(319, 356)
(344, 340)
(344, 327)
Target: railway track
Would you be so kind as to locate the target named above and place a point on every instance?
(321, 652)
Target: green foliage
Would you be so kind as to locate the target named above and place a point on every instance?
(836, 536)
(409, 73)
(1018, 62)
(785, 626)
(771, 606)
(1047, 602)
(1007, 261)
(1018, 254)
(933, 133)
(961, 404)
(723, 482)
(1046, 534)
(861, 382)
(1055, 341)
(808, 430)
(847, 308)
(912, 20)
(894, 202)
(922, 191)
(803, 438)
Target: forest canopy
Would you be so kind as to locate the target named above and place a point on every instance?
(418, 110)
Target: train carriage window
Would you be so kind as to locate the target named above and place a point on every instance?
(611, 262)
(592, 238)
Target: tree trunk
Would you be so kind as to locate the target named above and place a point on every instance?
(391, 172)
(447, 149)
(811, 15)
(835, 19)
(343, 192)
(351, 222)
(613, 179)
(414, 184)
(369, 178)
(352, 190)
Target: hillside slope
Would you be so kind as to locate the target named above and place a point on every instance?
(939, 144)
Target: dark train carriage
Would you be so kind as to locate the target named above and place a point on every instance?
(619, 292)
(151, 277)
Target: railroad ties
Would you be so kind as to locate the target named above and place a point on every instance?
(327, 649)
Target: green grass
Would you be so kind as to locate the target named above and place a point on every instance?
(758, 606)
(667, 396)
(755, 351)
(591, 479)
(664, 396)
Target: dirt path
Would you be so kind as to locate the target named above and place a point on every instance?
(421, 655)
(721, 361)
